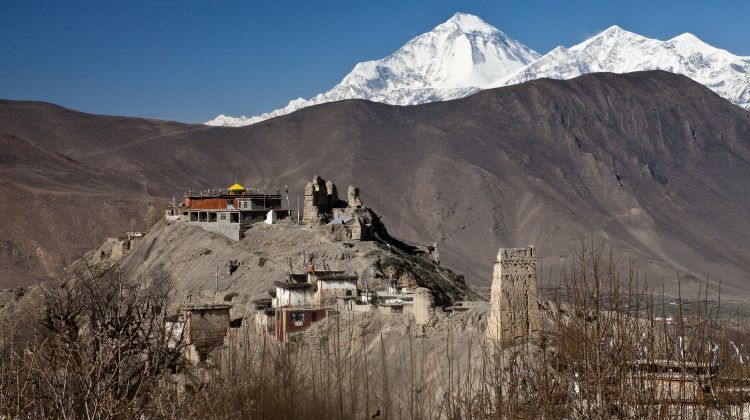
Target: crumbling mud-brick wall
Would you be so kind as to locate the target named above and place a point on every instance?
(316, 201)
(352, 196)
(207, 325)
(514, 315)
(322, 205)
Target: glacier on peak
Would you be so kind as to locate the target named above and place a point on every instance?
(619, 51)
(453, 60)
(465, 54)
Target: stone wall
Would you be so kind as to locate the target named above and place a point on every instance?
(207, 326)
(233, 231)
(514, 316)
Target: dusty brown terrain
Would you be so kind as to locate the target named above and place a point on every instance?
(194, 258)
(651, 162)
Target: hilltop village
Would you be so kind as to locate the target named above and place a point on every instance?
(316, 291)
(333, 257)
(243, 269)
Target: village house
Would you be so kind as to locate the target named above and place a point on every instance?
(303, 300)
(332, 286)
(295, 308)
(394, 300)
(396, 296)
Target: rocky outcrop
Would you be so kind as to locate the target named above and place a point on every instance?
(514, 316)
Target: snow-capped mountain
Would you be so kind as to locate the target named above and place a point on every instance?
(619, 51)
(465, 54)
(453, 60)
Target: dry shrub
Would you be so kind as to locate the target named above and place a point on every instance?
(101, 352)
(98, 350)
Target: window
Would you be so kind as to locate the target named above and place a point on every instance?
(223, 216)
(314, 317)
(298, 318)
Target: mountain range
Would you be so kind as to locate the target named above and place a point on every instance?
(652, 163)
(466, 54)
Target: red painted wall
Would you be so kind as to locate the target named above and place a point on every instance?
(210, 203)
(286, 317)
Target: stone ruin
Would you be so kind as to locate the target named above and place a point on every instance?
(514, 315)
(321, 198)
(424, 306)
(352, 196)
(348, 219)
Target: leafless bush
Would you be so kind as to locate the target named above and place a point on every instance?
(99, 350)
(611, 348)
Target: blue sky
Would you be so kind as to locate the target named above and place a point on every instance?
(191, 60)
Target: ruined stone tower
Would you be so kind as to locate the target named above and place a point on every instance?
(333, 195)
(352, 196)
(316, 201)
(514, 316)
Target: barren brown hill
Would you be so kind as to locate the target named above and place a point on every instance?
(653, 163)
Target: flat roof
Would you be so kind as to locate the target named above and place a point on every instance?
(301, 308)
(232, 196)
(228, 210)
(337, 278)
(206, 307)
(325, 272)
(293, 286)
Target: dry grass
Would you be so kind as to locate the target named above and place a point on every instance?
(604, 339)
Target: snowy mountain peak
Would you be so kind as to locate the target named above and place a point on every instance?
(465, 54)
(619, 51)
(452, 60)
(614, 35)
(687, 37)
(689, 44)
(468, 23)
(614, 30)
